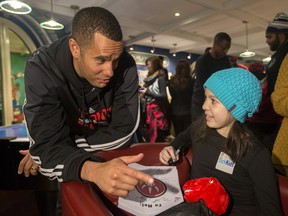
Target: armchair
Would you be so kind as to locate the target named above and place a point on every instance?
(87, 200)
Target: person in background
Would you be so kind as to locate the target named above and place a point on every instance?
(181, 89)
(279, 99)
(165, 70)
(156, 101)
(261, 123)
(277, 39)
(225, 149)
(82, 96)
(212, 60)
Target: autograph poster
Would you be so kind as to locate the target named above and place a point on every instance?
(153, 199)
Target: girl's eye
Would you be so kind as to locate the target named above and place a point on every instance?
(213, 100)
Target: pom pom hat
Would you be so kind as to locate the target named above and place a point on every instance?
(238, 90)
(279, 24)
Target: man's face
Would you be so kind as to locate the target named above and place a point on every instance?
(221, 48)
(272, 39)
(96, 63)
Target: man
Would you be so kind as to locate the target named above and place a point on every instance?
(277, 39)
(82, 96)
(212, 60)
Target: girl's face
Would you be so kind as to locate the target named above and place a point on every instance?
(217, 116)
(149, 66)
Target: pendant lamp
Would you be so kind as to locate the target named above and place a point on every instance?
(267, 59)
(51, 24)
(247, 53)
(153, 48)
(15, 7)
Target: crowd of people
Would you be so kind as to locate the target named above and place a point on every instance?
(82, 95)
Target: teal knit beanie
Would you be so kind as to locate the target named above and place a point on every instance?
(238, 90)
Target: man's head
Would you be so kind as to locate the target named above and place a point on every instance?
(277, 31)
(161, 59)
(96, 45)
(88, 21)
(221, 45)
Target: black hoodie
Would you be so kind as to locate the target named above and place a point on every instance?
(67, 118)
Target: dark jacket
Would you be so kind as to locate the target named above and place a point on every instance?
(251, 184)
(67, 117)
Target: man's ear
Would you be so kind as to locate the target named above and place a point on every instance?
(282, 37)
(74, 48)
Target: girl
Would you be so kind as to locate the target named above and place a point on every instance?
(181, 89)
(156, 102)
(224, 148)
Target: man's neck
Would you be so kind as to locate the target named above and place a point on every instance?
(212, 53)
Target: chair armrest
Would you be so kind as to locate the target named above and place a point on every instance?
(283, 190)
(77, 199)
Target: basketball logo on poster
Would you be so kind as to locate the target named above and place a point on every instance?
(153, 199)
(152, 191)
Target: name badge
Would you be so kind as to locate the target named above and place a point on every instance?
(225, 163)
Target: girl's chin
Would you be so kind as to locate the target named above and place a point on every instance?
(210, 124)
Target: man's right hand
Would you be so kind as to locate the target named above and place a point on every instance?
(27, 165)
(115, 177)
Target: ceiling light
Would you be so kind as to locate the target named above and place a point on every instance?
(174, 53)
(15, 7)
(247, 53)
(51, 24)
(131, 45)
(153, 41)
(267, 59)
(177, 14)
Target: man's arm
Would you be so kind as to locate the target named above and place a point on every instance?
(280, 95)
(160, 92)
(51, 145)
(115, 177)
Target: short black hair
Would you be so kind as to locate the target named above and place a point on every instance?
(222, 36)
(90, 20)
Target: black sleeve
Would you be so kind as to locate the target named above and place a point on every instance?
(183, 139)
(159, 92)
(51, 146)
(265, 185)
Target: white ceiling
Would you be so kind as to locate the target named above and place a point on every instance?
(192, 31)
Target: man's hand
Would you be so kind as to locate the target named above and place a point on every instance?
(114, 176)
(27, 164)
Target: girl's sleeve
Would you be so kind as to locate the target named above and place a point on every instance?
(264, 180)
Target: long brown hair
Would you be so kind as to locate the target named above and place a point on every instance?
(182, 77)
(240, 138)
(156, 65)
